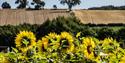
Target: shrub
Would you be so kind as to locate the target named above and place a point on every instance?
(105, 32)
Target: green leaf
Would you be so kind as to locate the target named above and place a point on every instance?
(25, 42)
(15, 50)
(12, 56)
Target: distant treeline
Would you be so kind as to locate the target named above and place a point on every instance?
(109, 7)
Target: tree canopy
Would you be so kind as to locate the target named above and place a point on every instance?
(109, 7)
(70, 3)
(24, 3)
(39, 5)
(5, 5)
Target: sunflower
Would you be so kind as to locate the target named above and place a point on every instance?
(88, 48)
(49, 42)
(109, 45)
(66, 42)
(43, 44)
(25, 40)
(107, 41)
(53, 37)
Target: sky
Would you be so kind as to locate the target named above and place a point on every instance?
(84, 3)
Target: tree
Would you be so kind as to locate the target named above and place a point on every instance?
(39, 4)
(70, 3)
(22, 4)
(54, 7)
(5, 5)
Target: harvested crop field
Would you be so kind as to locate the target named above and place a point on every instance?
(20, 16)
(101, 16)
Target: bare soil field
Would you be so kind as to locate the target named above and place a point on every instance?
(101, 16)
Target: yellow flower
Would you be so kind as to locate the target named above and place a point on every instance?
(122, 59)
(25, 40)
(112, 49)
(97, 59)
(88, 47)
(107, 41)
(109, 45)
(53, 37)
(51, 41)
(42, 44)
(3, 59)
(67, 42)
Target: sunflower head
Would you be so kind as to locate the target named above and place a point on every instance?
(107, 41)
(25, 40)
(66, 42)
(49, 43)
(53, 37)
(109, 44)
(88, 47)
(42, 44)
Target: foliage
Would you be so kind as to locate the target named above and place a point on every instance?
(64, 48)
(24, 3)
(70, 3)
(39, 4)
(54, 7)
(105, 32)
(58, 25)
(109, 7)
(5, 5)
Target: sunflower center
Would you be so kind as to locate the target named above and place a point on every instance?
(43, 48)
(55, 39)
(49, 41)
(64, 43)
(89, 49)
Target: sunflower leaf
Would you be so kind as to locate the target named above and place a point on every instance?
(15, 50)
(25, 42)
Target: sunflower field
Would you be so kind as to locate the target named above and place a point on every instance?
(63, 48)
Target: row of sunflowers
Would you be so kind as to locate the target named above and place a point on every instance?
(63, 48)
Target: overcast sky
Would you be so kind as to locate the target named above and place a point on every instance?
(84, 3)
